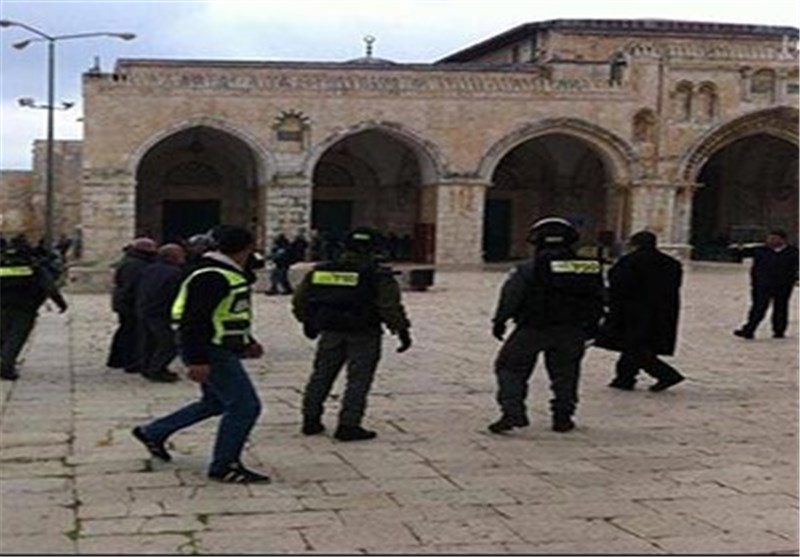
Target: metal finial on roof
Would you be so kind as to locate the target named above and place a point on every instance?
(369, 40)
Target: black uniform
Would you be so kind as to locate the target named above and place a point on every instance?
(124, 352)
(773, 277)
(346, 302)
(24, 286)
(556, 301)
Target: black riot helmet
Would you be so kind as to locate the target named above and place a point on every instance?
(552, 232)
(361, 240)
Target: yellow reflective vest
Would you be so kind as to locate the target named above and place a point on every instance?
(231, 318)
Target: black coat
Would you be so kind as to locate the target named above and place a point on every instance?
(157, 289)
(772, 270)
(644, 303)
(126, 280)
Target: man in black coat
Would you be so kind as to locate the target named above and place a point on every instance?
(644, 306)
(124, 345)
(773, 277)
(157, 289)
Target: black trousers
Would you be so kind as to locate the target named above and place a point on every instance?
(761, 300)
(124, 353)
(635, 360)
(361, 352)
(279, 281)
(563, 349)
(15, 328)
(156, 344)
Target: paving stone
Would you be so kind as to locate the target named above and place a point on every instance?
(138, 544)
(243, 543)
(39, 544)
(469, 531)
(362, 536)
(710, 466)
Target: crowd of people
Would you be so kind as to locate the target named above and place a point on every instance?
(196, 298)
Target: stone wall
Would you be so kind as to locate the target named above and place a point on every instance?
(16, 210)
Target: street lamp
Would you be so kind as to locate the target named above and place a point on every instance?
(50, 106)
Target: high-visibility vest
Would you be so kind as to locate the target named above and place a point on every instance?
(16, 271)
(232, 316)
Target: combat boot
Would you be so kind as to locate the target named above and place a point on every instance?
(353, 433)
(508, 422)
(312, 426)
(563, 423)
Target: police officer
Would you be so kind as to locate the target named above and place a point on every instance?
(24, 287)
(344, 302)
(556, 301)
(214, 315)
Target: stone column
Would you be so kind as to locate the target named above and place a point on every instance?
(459, 223)
(662, 208)
(287, 207)
(108, 212)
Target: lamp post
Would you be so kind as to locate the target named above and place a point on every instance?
(50, 106)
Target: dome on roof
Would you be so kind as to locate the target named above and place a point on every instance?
(371, 60)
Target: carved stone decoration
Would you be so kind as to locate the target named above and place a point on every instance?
(762, 86)
(291, 130)
(707, 103)
(644, 126)
(682, 102)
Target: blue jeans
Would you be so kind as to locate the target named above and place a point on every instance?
(228, 392)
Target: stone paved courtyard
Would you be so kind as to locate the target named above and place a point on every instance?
(709, 467)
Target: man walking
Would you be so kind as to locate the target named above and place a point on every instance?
(24, 287)
(214, 315)
(772, 280)
(156, 291)
(282, 258)
(644, 307)
(556, 300)
(124, 353)
(344, 302)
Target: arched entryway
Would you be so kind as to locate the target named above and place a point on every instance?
(374, 178)
(194, 179)
(748, 187)
(551, 174)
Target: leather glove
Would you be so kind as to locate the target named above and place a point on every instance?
(405, 340)
(499, 330)
(310, 332)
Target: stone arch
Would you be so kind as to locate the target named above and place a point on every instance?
(615, 151)
(265, 161)
(781, 122)
(432, 163)
(192, 176)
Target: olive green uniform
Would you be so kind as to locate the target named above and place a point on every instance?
(345, 338)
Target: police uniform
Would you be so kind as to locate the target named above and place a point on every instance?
(346, 302)
(24, 286)
(555, 299)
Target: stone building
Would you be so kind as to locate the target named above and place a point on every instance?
(22, 193)
(688, 129)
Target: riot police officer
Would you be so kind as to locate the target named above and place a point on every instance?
(25, 284)
(556, 301)
(344, 302)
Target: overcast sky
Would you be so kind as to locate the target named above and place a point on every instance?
(326, 30)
